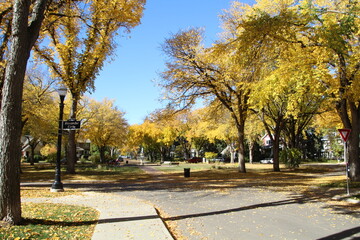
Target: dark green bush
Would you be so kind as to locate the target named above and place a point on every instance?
(37, 158)
(94, 158)
(291, 157)
(51, 158)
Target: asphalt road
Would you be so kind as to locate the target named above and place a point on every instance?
(237, 213)
(251, 214)
(247, 213)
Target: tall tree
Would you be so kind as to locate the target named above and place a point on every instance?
(194, 71)
(195, 132)
(271, 109)
(25, 27)
(331, 29)
(39, 111)
(82, 36)
(217, 124)
(289, 97)
(254, 130)
(105, 126)
(166, 128)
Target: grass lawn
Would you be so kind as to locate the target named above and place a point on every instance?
(227, 176)
(213, 166)
(46, 172)
(52, 221)
(181, 166)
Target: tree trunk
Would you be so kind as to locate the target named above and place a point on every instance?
(32, 155)
(102, 154)
(23, 38)
(276, 152)
(232, 157)
(351, 122)
(345, 106)
(112, 152)
(10, 134)
(71, 153)
(251, 151)
(241, 148)
(162, 154)
(275, 138)
(232, 152)
(353, 146)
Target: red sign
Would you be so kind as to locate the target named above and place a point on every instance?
(344, 133)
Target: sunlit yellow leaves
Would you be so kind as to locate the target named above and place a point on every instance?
(40, 108)
(83, 37)
(104, 124)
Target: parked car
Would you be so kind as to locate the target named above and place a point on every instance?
(217, 160)
(267, 160)
(194, 160)
(117, 161)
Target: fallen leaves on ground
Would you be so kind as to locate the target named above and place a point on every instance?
(52, 221)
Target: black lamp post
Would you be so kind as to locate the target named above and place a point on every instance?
(57, 186)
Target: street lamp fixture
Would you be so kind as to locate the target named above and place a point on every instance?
(57, 186)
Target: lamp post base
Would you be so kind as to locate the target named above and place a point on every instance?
(56, 190)
(57, 187)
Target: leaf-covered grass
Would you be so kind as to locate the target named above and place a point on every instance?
(205, 166)
(52, 221)
(224, 177)
(44, 192)
(85, 172)
(340, 184)
(202, 176)
(181, 166)
(104, 172)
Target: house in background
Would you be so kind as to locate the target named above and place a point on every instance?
(266, 141)
(83, 148)
(332, 146)
(266, 146)
(30, 146)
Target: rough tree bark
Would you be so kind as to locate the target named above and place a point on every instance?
(24, 33)
(71, 151)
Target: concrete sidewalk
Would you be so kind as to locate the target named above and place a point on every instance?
(121, 217)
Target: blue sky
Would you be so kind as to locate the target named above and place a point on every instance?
(129, 78)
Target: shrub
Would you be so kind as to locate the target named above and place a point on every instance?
(95, 158)
(291, 157)
(82, 160)
(48, 149)
(210, 155)
(37, 158)
(51, 157)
